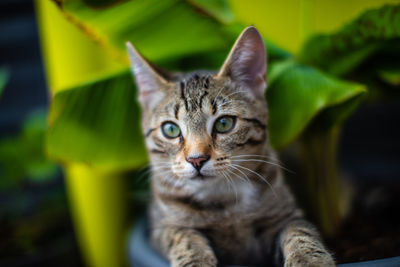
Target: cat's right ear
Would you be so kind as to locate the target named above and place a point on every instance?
(246, 63)
(148, 80)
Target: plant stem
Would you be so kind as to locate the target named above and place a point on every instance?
(98, 209)
(325, 199)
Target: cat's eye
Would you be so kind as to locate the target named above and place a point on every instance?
(170, 130)
(224, 124)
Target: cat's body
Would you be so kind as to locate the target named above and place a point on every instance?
(218, 191)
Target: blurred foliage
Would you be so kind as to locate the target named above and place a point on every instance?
(217, 8)
(22, 157)
(341, 52)
(390, 75)
(34, 213)
(366, 50)
(3, 79)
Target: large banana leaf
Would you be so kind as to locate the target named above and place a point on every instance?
(298, 93)
(340, 52)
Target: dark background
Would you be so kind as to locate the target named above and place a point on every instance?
(20, 53)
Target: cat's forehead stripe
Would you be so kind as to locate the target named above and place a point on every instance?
(176, 111)
(183, 97)
(193, 90)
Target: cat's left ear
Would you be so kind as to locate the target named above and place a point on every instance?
(149, 79)
(246, 63)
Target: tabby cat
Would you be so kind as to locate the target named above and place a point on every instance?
(218, 191)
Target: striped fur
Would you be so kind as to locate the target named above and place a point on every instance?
(237, 208)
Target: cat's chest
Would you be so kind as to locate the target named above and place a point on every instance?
(224, 204)
(241, 194)
(236, 243)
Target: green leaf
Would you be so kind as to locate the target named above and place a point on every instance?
(159, 29)
(390, 75)
(298, 93)
(98, 124)
(341, 52)
(3, 79)
(38, 167)
(275, 53)
(216, 8)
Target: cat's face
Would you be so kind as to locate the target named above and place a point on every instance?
(203, 126)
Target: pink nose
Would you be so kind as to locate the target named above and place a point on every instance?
(198, 160)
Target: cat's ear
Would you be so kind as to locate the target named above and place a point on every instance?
(246, 62)
(149, 80)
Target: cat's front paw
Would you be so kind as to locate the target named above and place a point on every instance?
(317, 259)
(200, 259)
(194, 263)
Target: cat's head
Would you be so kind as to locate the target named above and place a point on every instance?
(204, 126)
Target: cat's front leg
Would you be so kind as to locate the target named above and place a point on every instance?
(302, 246)
(184, 247)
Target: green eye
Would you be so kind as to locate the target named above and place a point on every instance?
(224, 124)
(170, 130)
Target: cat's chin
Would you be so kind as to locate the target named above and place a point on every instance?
(200, 177)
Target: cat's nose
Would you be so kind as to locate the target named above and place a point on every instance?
(197, 160)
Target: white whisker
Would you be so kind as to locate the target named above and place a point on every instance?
(264, 161)
(230, 102)
(231, 184)
(263, 178)
(247, 178)
(240, 177)
(237, 92)
(150, 169)
(215, 98)
(256, 155)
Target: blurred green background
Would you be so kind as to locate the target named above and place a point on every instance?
(72, 161)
